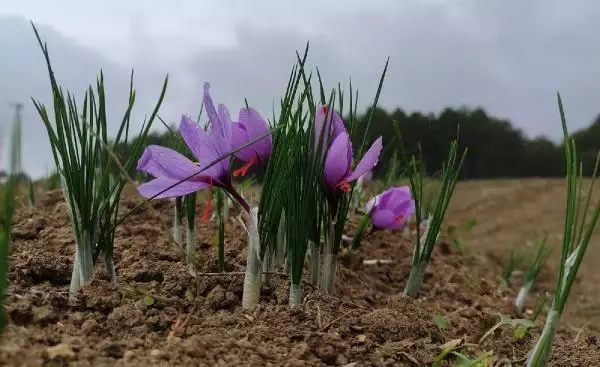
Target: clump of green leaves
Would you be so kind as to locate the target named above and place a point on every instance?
(53, 180)
(537, 259)
(427, 237)
(507, 321)
(81, 151)
(293, 197)
(8, 207)
(292, 181)
(452, 347)
(578, 231)
(515, 259)
(30, 192)
(522, 329)
(279, 188)
(440, 321)
(485, 359)
(454, 232)
(336, 209)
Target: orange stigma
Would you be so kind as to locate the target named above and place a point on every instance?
(344, 186)
(242, 171)
(208, 208)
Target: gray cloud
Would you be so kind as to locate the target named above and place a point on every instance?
(23, 76)
(508, 56)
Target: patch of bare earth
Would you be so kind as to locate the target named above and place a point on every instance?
(159, 314)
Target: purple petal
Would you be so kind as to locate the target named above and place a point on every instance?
(407, 208)
(256, 127)
(220, 132)
(149, 189)
(211, 111)
(384, 219)
(368, 161)
(239, 137)
(199, 143)
(164, 162)
(396, 196)
(337, 163)
(225, 138)
(225, 125)
(334, 125)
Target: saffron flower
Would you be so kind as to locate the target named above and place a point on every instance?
(175, 175)
(251, 126)
(338, 173)
(391, 209)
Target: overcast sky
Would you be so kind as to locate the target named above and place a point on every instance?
(509, 56)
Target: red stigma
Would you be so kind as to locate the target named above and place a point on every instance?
(242, 171)
(324, 108)
(344, 186)
(399, 217)
(208, 208)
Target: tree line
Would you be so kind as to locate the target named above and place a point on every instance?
(496, 149)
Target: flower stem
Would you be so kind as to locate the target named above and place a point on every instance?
(522, 296)
(315, 262)
(268, 265)
(239, 198)
(295, 294)
(364, 221)
(83, 266)
(280, 245)
(177, 220)
(329, 262)
(541, 351)
(413, 285)
(252, 279)
(109, 265)
(221, 205)
(31, 193)
(190, 238)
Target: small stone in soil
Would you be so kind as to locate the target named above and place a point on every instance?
(156, 353)
(128, 355)
(89, 326)
(60, 351)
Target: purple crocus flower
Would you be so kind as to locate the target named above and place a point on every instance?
(170, 168)
(251, 126)
(338, 173)
(391, 209)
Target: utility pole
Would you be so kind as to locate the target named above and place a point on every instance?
(18, 106)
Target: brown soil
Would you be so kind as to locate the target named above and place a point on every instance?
(367, 323)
